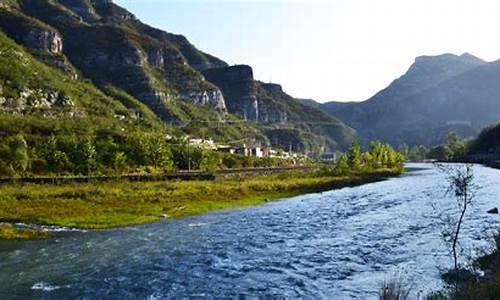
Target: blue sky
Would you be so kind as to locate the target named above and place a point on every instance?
(328, 49)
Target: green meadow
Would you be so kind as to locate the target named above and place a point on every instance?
(114, 204)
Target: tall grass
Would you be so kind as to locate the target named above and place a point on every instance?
(395, 289)
(112, 204)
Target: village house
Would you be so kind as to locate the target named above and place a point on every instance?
(226, 149)
(329, 157)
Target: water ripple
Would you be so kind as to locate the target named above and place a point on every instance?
(340, 244)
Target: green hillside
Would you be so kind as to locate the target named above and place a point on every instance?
(77, 71)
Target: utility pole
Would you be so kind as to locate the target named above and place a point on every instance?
(189, 154)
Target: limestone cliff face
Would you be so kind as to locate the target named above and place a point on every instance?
(29, 32)
(268, 104)
(135, 63)
(272, 87)
(273, 108)
(270, 113)
(37, 98)
(110, 46)
(38, 38)
(239, 89)
(213, 98)
(254, 100)
(82, 8)
(245, 96)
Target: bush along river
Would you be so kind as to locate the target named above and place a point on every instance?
(338, 244)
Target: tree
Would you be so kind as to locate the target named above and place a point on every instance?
(232, 161)
(461, 186)
(441, 152)
(87, 156)
(120, 162)
(181, 157)
(354, 156)
(368, 160)
(210, 161)
(418, 153)
(17, 154)
(107, 149)
(456, 145)
(342, 166)
(150, 150)
(377, 152)
(57, 160)
(159, 153)
(404, 149)
(137, 145)
(400, 160)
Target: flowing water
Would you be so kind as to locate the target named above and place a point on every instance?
(340, 244)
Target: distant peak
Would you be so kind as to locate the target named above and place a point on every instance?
(469, 56)
(449, 57)
(444, 56)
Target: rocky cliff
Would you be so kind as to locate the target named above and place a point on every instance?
(99, 42)
(110, 46)
(268, 104)
(29, 31)
(239, 89)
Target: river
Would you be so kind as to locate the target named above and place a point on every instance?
(340, 244)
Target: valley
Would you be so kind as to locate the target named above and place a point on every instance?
(134, 164)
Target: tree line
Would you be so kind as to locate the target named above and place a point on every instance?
(454, 149)
(378, 156)
(147, 153)
(151, 153)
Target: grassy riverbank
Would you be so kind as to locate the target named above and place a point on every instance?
(10, 232)
(474, 287)
(114, 204)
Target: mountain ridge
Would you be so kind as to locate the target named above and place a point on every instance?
(416, 108)
(99, 41)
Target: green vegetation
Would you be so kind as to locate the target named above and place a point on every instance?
(10, 232)
(462, 281)
(133, 117)
(105, 205)
(308, 128)
(461, 185)
(472, 286)
(113, 154)
(380, 155)
(488, 141)
(415, 153)
(454, 149)
(140, 79)
(87, 132)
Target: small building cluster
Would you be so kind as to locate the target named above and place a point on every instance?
(258, 151)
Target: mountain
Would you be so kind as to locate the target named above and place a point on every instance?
(142, 68)
(268, 105)
(334, 106)
(437, 94)
(309, 102)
